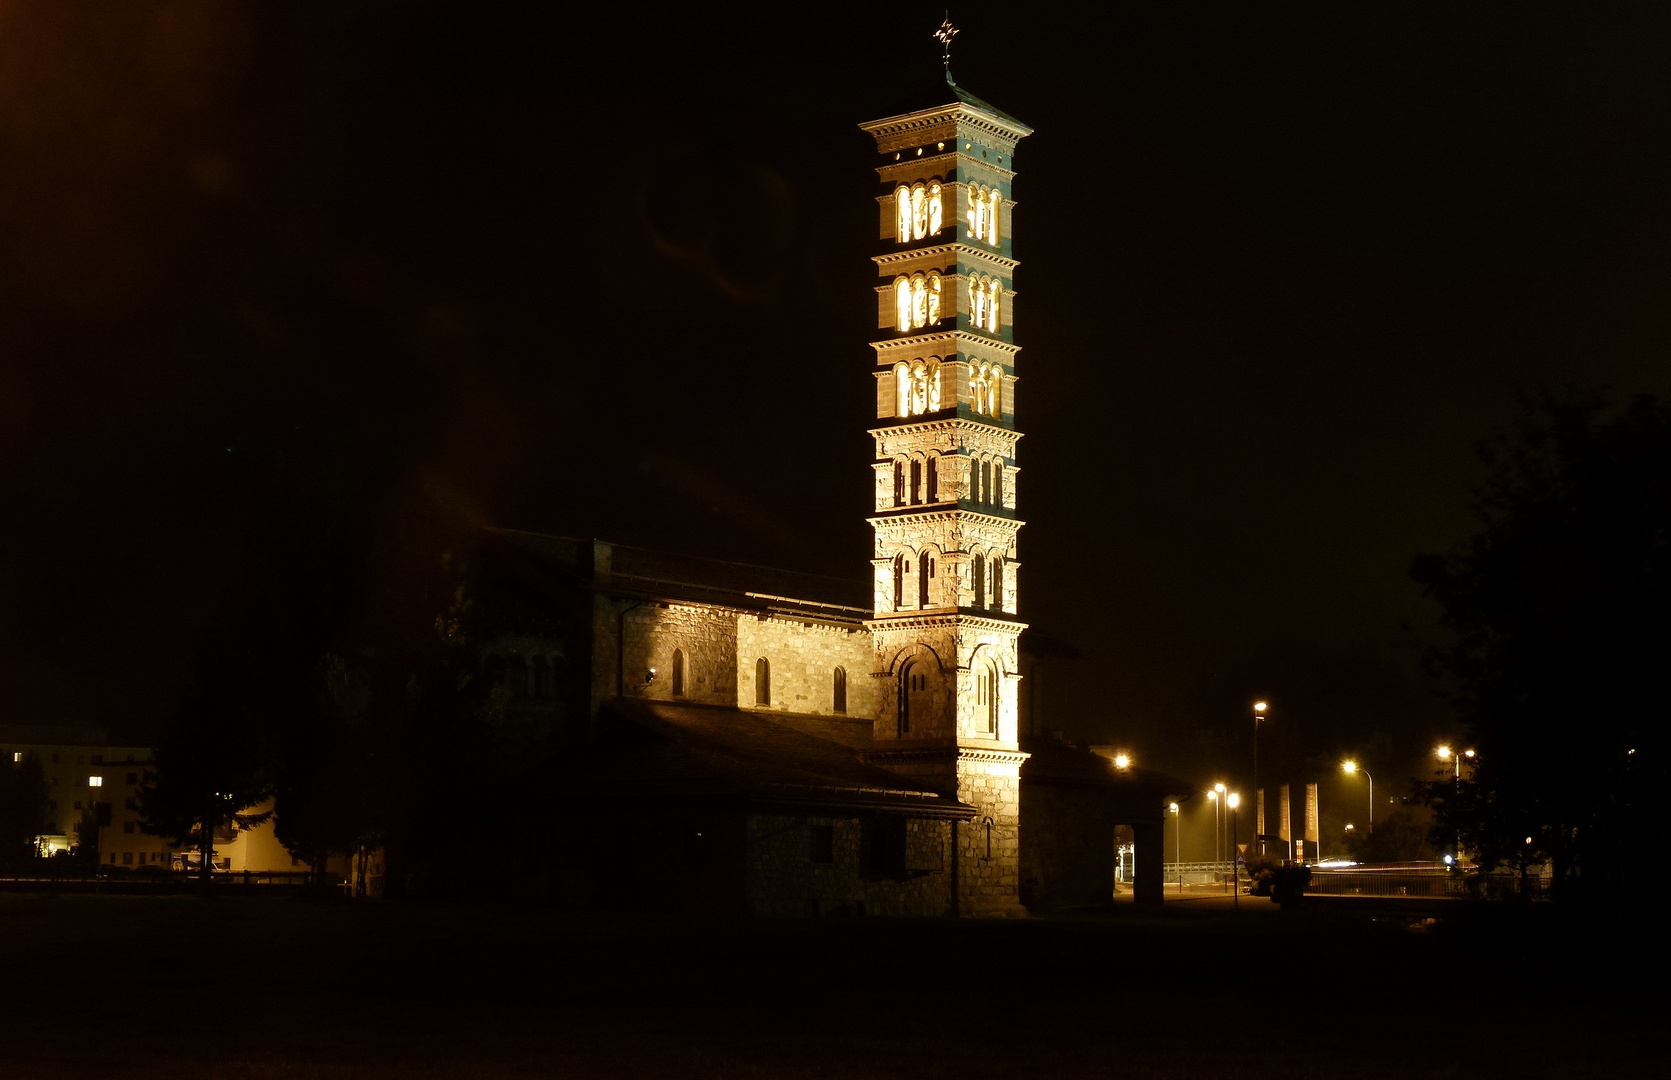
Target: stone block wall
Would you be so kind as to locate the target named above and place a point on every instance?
(989, 871)
(706, 635)
(803, 658)
(785, 877)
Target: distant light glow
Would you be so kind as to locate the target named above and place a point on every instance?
(1172, 807)
(1219, 788)
(1121, 761)
(1235, 800)
(1349, 766)
(1444, 753)
(1448, 860)
(1260, 706)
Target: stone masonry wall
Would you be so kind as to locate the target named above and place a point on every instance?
(706, 635)
(784, 879)
(803, 658)
(989, 880)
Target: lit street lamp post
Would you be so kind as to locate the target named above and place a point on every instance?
(1259, 708)
(1445, 753)
(1178, 843)
(1349, 767)
(1236, 891)
(1219, 820)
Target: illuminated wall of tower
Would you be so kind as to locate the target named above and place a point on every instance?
(947, 576)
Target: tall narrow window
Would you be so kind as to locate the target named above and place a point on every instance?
(899, 582)
(902, 214)
(923, 564)
(995, 302)
(986, 482)
(932, 313)
(899, 483)
(998, 483)
(919, 212)
(678, 673)
(997, 583)
(916, 481)
(934, 478)
(980, 580)
(762, 682)
(838, 691)
(902, 304)
(995, 206)
(936, 210)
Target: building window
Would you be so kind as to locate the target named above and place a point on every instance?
(980, 580)
(986, 206)
(998, 483)
(838, 694)
(924, 565)
(919, 210)
(933, 478)
(917, 387)
(916, 481)
(95, 781)
(986, 698)
(823, 844)
(986, 298)
(997, 583)
(899, 483)
(17, 756)
(917, 301)
(678, 673)
(762, 682)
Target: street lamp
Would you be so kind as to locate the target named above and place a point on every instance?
(1349, 767)
(1233, 800)
(1259, 708)
(1219, 819)
(1122, 761)
(1178, 843)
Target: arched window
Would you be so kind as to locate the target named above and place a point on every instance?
(678, 673)
(902, 214)
(919, 212)
(977, 211)
(913, 693)
(932, 314)
(899, 483)
(986, 699)
(986, 482)
(933, 478)
(995, 206)
(997, 583)
(916, 481)
(980, 580)
(899, 582)
(762, 682)
(902, 304)
(919, 301)
(977, 301)
(998, 483)
(902, 390)
(925, 567)
(936, 210)
(838, 691)
(995, 301)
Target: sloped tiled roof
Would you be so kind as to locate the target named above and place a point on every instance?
(664, 749)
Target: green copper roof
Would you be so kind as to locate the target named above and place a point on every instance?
(945, 91)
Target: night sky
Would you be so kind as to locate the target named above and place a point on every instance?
(1281, 268)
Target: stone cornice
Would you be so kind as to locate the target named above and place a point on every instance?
(954, 423)
(916, 515)
(925, 754)
(956, 337)
(916, 620)
(929, 125)
(956, 248)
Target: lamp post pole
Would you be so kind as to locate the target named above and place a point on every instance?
(1235, 892)
(1349, 767)
(1178, 844)
(1259, 708)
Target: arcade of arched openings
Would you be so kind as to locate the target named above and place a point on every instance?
(986, 302)
(986, 388)
(985, 210)
(986, 481)
(917, 480)
(917, 387)
(917, 301)
(919, 211)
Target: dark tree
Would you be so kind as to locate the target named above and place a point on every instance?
(1557, 642)
(23, 807)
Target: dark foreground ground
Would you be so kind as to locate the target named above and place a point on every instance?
(290, 989)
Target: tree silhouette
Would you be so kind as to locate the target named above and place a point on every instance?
(23, 807)
(1557, 639)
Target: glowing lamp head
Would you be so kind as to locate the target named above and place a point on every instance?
(1349, 766)
(1172, 807)
(1350, 827)
(1260, 706)
(1212, 796)
(1234, 800)
(1449, 860)
(1219, 788)
(1122, 761)
(1444, 753)
(1470, 753)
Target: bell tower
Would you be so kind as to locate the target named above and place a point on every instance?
(946, 566)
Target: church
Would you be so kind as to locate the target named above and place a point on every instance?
(770, 742)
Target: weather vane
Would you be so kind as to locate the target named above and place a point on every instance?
(944, 36)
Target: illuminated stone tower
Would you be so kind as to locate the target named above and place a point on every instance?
(946, 577)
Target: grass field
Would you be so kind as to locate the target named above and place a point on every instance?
(290, 989)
